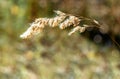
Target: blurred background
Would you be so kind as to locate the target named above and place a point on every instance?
(93, 54)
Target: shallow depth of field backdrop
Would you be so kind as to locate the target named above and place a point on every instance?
(53, 54)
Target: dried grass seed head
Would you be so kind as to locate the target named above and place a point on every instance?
(62, 20)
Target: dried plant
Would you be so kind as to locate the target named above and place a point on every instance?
(61, 20)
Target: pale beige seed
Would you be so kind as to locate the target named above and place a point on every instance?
(59, 13)
(44, 22)
(77, 28)
(55, 23)
(82, 29)
(50, 22)
(96, 22)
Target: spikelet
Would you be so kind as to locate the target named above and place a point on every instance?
(62, 20)
(59, 13)
(71, 20)
(77, 28)
(74, 30)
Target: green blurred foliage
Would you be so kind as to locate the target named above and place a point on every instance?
(54, 55)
